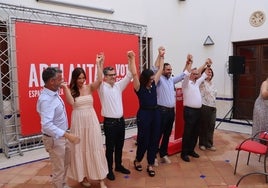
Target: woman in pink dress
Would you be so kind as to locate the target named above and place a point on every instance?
(88, 157)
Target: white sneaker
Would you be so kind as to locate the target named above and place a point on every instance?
(212, 148)
(202, 148)
(156, 162)
(165, 159)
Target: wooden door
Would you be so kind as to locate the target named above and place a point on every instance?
(247, 85)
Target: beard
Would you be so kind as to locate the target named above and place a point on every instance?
(167, 75)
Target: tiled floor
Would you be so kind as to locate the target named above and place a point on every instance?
(211, 170)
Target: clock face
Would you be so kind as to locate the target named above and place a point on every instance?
(257, 18)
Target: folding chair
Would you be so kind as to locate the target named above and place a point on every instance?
(256, 144)
(246, 175)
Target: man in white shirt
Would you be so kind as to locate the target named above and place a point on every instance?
(192, 103)
(110, 93)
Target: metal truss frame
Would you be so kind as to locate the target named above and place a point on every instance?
(12, 142)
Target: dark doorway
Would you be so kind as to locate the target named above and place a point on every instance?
(247, 85)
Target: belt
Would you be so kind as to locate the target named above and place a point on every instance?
(208, 107)
(113, 119)
(149, 107)
(192, 108)
(164, 108)
(46, 135)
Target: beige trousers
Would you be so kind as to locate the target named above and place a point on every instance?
(59, 153)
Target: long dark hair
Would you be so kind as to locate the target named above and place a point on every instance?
(145, 77)
(73, 86)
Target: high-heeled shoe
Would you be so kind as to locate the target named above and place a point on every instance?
(102, 184)
(138, 167)
(150, 171)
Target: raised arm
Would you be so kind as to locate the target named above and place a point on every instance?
(207, 63)
(189, 63)
(99, 63)
(157, 61)
(69, 98)
(133, 69)
(188, 67)
(160, 62)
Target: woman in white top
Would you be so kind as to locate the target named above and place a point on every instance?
(208, 112)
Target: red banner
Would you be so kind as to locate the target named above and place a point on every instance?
(40, 45)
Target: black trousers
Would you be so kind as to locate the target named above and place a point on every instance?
(114, 130)
(167, 116)
(207, 126)
(191, 128)
(148, 122)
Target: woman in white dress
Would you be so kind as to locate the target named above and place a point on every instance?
(88, 157)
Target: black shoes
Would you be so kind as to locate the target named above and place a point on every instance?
(193, 154)
(185, 158)
(122, 169)
(110, 176)
(150, 171)
(138, 167)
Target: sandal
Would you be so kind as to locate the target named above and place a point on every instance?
(137, 167)
(85, 183)
(150, 171)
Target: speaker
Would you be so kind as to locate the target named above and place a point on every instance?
(236, 65)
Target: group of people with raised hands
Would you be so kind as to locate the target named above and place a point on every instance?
(86, 158)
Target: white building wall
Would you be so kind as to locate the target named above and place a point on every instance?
(242, 30)
(182, 27)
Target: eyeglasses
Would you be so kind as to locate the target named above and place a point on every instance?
(108, 68)
(110, 75)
